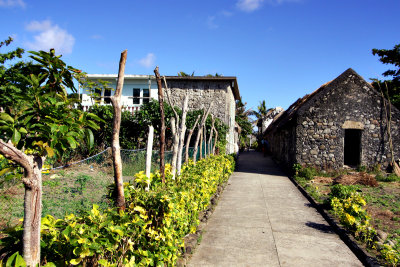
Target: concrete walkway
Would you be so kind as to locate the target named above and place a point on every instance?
(263, 220)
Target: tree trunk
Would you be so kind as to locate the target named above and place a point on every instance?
(32, 200)
(116, 149)
(215, 141)
(182, 132)
(201, 143)
(190, 137)
(162, 132)
(149, 153)
(211, 134)
(203, 121)
(175, 146)
(175, 132)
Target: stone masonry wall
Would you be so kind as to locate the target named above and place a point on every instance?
(202, 93)
(349, 104)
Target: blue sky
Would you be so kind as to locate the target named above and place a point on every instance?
(279, 50)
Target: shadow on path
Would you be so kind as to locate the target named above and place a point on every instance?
(255, 162)
(262, 219)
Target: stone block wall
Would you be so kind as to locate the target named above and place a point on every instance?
(350, 103)
(202, 93)
(314, 134)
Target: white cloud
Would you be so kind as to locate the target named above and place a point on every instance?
(252, 5)
(50, 36)
(249, 5)
(211, 22)
(226, 13)
(96, 36)
(148, 60)
(12, 3)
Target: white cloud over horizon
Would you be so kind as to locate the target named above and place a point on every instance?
(50, 36)
(12, 3)
(148, 61)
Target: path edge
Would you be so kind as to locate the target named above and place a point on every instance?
(349, 240)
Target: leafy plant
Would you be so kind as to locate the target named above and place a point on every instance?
(39, 121)
(149, 232)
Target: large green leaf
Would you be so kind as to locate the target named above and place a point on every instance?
(23, 130)
(5, 117)
(72, 142)
(15, 137)
(90, 138)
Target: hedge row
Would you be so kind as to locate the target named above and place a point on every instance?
(151, 230)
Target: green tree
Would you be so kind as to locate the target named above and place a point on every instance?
(43, 123)
(391, 57)
(243, 120)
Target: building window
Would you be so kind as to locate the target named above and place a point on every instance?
(146, 95)
(136, 96)
(97, 95)
(107, 95)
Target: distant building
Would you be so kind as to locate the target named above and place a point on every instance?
(341, 123)
(222, 91)
(137, 90)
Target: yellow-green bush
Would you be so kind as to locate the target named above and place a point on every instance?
(149, 232)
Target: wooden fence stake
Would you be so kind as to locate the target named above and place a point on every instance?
(149, 153)
(162, 132)
(116, 149)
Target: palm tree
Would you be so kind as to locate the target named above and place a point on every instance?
(261, 114)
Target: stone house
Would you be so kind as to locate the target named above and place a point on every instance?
(341, 123)
(138, 89)
(221, 91)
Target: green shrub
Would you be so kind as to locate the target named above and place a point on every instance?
(307, 172)
(149, 232)
(382, 177)
(362, 168)
(352, 215)
(342, 191)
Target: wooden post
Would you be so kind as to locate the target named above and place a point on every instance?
(116, 149)
(149, 153)
(162, 132)
(190, 137)
(182, 131)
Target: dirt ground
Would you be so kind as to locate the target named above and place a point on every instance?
(383, 198)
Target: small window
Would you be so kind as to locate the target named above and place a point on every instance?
(97, 95)
(107, 95)
(136, 96)
(146, 96)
